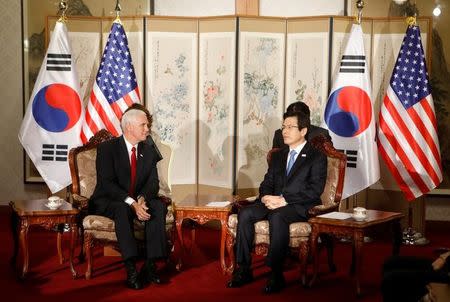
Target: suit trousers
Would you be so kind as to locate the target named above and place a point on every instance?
(279, 221)
(155, 228)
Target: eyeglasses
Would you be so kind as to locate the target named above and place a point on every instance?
(288, 127)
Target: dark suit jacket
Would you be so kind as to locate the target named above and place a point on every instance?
(313, 131)
(113, 173)
(305, 182)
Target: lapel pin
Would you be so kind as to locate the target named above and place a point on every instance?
(303, 155)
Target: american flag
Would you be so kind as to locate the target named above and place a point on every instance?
(115, 87)
(408, 139)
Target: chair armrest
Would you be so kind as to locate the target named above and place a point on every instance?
(321, 209)
(80, 202)
(239, 202)
(166, 200)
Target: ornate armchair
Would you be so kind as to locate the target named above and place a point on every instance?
(99, 230)
(300, 231)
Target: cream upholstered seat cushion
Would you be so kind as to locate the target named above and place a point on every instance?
(101, 227)
(298, 231)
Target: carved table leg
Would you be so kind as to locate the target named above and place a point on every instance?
(303, 257)
(223, 224)
(80, 230)
(353, 264)
(192, 226)
(88, 245)
(179, 222)
(229, 242)
(314, 253)
(23, 237)
(15, 235)
(58, 245)
(73, 231)
(358, 239)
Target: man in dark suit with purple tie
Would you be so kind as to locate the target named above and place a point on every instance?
(292, 185)
(127, 188)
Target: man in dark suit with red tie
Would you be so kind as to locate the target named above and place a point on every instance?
(127, 188)
(292, 185)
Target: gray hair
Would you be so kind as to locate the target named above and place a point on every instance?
(130, 116)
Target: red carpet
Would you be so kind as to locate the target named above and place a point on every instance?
(200, 280)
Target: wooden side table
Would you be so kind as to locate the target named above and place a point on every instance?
(356, 230)
(196, 208)
(34, 212)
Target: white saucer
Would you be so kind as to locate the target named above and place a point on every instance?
(53, 206)
(359, 218)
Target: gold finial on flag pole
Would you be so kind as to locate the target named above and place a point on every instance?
(63, 8)
(359, 6)
(118, 9)
(411, 21)
(411, 14)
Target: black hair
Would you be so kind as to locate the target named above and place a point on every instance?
(299, 107)
(303, 120)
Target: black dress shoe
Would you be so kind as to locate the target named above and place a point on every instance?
(275, 284)
(148, 273)
(133, 280)
(240, 277)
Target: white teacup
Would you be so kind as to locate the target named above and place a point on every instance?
(359, 213)
(54, 202)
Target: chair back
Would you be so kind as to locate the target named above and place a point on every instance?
(82, 165)
(164, 170)
(82, 161)
(336, 162)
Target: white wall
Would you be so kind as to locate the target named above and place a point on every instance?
(298, 8)
(11, 152)
(194, 7)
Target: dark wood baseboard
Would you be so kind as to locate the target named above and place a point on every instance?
(437, 225)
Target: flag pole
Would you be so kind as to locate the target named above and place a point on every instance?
(410, 235)
(63, 19)
(352, 201)
(63, 227)
(359, 6)
(118, 9)
(63, 8)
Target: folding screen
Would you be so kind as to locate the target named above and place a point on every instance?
(171, 70)
(217, 86)
(307, 63)
(261, 66)
(217, 94)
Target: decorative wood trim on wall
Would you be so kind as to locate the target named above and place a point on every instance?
(247, 7)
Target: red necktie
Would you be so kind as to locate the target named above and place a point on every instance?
(133, 171)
